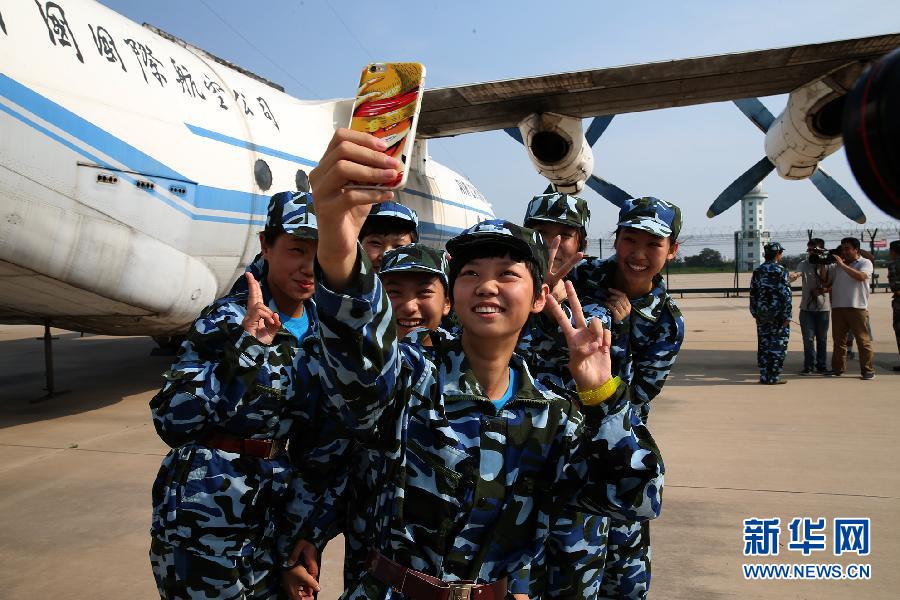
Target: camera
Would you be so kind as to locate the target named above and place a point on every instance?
(821, 256)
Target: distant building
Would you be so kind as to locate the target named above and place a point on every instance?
(753, 233)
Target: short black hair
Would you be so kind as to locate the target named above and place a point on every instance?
(816, 242)
(850, 240)
(271, 234)
(493, 250)
(895, 246)
(388, 226)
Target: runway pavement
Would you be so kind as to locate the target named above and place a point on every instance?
(76, 470)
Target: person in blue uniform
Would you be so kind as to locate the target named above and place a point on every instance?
(233, 397)
(770, 305)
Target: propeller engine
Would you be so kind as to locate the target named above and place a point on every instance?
(807, 131)
(547, 136)
(558, 150)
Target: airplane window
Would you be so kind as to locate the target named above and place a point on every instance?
(263, 174)
(302, 181)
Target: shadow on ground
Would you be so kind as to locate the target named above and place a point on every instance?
(738, 367)
(89, 372)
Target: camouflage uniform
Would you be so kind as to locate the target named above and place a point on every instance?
(770, 305)
(396, 212)
(559, 208)
(894, 284)
(644, 349)
(570, 565)
(215, 512)
(335, 483)
(462, 486)
(416, 258)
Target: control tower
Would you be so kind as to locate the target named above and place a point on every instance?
(753, 232)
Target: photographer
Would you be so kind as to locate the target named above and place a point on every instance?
(849, 308)
(816, 271)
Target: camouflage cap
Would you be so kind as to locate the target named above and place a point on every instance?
(395, 210)
(559, 208)
(504, 233)
(661, 218)
(415, 258)
(293, 213)
(773, 248)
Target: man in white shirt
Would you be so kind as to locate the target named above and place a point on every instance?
(849, 308)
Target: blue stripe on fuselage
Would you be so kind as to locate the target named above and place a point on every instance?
(450, 202)
(133, 159)
(84, 130)
(232, 141)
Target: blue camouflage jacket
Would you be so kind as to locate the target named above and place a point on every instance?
(646, 344)
(205, 500)
(466, 491)
(571, 563)
(770, 293)
(335, 483)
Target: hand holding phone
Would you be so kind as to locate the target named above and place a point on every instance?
(387, 106)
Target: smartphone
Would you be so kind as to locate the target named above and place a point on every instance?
(387, 106)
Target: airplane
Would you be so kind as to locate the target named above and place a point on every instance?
(136, 168)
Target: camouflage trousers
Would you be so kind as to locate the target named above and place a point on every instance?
(895, 305)
(571, 567)
(626, 573)
(772, 342)
(182, 575)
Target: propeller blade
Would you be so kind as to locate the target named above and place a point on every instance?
(756, 112)
(515, 134)
(611, 192)
(596, 128)
(740, 187)
(837, 195)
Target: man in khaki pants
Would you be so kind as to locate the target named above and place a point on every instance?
(849, 308)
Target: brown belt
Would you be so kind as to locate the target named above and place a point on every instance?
(267, 449)
(419, 586)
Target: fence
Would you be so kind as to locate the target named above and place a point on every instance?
(736, 281)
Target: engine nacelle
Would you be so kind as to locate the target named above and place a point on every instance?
(809, 129)
(558, 150)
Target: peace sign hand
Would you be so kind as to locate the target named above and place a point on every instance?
(260, 321)
(555, 276)
(590, 362)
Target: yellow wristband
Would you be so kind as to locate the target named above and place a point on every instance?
(600, 394)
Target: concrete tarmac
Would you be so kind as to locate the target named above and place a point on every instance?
(76, 469)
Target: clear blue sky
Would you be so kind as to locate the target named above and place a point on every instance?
(689, 155)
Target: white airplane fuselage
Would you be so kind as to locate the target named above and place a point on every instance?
(135, 171)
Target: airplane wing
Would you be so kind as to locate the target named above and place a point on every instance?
(500, 104)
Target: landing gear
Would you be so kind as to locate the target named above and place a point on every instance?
(48, 366)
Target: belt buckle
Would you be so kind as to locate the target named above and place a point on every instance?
(461, 591)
